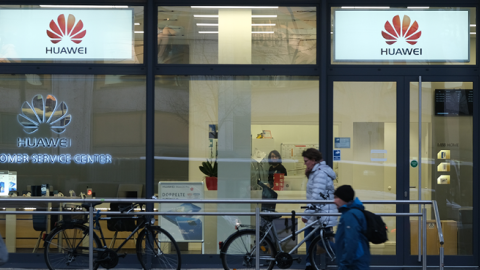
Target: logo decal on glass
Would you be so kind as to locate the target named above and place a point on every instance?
(443, 167)
(443, 180)
(44, 111)
(401, 29)
(443, 154)
(69, 29)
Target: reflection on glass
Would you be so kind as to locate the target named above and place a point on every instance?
(236, 121)
(38, 107)
(447, 171)
(97, 142)
(220, 35)
(368, 161)
(95, 122)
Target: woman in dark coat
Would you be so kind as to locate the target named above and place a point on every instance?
(275, 161)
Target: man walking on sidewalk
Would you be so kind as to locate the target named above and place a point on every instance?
(351, 243)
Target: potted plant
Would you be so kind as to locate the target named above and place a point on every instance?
(209, 168)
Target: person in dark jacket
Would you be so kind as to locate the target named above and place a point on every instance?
(351, 244)
(275, 161)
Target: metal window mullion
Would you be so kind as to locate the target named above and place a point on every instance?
(150, 16)
(419, 160)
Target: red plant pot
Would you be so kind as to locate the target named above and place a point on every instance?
(211, 183)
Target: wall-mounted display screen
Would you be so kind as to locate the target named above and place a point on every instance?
(453, 102)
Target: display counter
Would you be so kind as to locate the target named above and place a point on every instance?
(20, 236)
(18, 229)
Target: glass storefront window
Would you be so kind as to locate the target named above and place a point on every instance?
(237, 121)
(71, 34)
(236, 35)
(73, 131)
(403, 35)
(69, 133)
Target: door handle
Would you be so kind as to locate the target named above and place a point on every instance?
(413, 186)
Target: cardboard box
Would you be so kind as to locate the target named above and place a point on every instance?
(450, 235)
(449, 229)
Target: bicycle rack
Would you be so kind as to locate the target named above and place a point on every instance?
(257, 214)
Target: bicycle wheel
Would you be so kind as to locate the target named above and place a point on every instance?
(156, 249)
(238, 252)
(317, 249)
(67, 247)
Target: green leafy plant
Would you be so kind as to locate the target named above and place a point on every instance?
(209, 168)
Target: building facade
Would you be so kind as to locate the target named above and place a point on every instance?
(126, 97)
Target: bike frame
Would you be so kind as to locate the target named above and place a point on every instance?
(139, 226)
(278, 241)
(271, 230)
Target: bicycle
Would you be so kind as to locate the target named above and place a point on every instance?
(238, 251)
(67, 247)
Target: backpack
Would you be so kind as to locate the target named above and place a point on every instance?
(376, 231)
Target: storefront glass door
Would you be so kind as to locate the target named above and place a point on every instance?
(445, 165)
(370, 147)
(364, 145)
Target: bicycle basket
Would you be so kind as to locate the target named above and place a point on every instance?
(120, 224)
(74, 218)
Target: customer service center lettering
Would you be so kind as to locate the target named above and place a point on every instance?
(53, 159)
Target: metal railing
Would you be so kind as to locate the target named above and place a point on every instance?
(11, 202)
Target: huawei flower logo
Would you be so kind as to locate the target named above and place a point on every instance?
(44, 111)
(68, 29)
(401, 29)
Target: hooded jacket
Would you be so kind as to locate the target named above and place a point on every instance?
(320, 187)
(351, 244)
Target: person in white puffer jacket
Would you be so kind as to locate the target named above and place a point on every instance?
(319, 187)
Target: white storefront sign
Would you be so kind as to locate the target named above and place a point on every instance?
(80, 34)
(401, 35)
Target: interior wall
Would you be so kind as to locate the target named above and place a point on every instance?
(287, 106)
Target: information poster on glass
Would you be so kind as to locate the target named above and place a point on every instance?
(184, 228)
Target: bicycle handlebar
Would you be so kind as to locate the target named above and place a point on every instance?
(310, 207)
(130, 207)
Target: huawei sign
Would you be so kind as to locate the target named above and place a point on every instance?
(401, 29)
(66, 29)
(401, 36)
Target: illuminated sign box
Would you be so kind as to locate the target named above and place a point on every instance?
(401, 35)
(78, 34)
